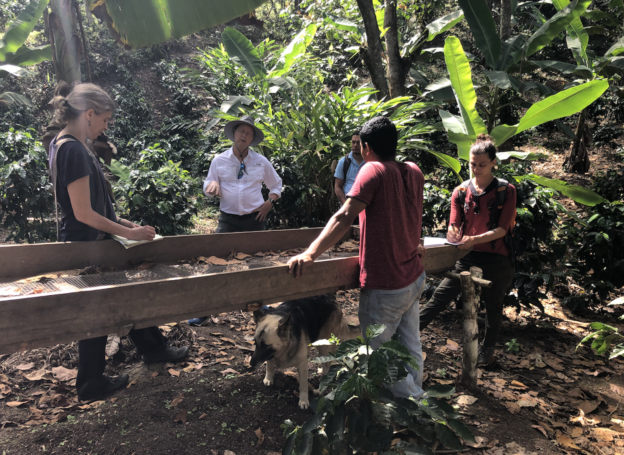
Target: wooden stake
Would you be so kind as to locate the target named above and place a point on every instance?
(471, 332)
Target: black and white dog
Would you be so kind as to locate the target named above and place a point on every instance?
(284, 333)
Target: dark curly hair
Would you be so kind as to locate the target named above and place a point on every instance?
(381, 135)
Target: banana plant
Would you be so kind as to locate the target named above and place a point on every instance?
(15, 55)
(463, 129)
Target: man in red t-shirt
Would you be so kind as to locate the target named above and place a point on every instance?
(388, 196)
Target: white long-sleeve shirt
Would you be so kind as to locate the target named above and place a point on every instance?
(244, 195)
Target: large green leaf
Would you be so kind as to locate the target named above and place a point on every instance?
(554, 26)
(295, 49)
(119, 170)
(463, 143)
(28, 56)
(616, 49)
(440, 90)
(343, 24)
(140, 23)
(14, 70)
(20, 28)
(563, 104)
(447, 161)
(499, 79)
(461, 80)
(501, 133)
(235, 103)
(453, 123)
(444, 23)
(576, 193)
(509, 52)
(483, 28)
(577, 38)
(564, 68)
(240, 49)
(462, 430)
(12, 98)
(447, 437)
(529, 156)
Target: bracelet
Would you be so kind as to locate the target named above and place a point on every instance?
(271, 201)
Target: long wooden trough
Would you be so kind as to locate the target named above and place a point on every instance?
(45, 319)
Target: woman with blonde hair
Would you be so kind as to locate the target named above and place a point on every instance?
(88, 215)
(483, 213)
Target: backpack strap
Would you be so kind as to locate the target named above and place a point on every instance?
(346, 166)
(462, 192)
(499, 201)
(54, 176)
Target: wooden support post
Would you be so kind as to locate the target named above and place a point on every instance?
(471, 332)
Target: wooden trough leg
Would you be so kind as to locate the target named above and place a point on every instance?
(471, 332)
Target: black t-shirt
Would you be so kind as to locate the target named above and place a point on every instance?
(74, 162)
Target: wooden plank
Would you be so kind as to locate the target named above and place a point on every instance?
(47, 319)
(18, 261)
(29, 322)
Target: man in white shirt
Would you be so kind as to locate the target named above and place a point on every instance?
(236, 176)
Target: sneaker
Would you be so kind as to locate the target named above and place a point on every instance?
(111, 385)
(168, 354)
(486, 357)
(198, 322)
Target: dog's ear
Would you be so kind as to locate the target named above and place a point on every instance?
(282, 328)
(258, 314)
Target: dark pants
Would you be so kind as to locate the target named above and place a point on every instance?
(92, 361)
(239, 223)
(497, 269)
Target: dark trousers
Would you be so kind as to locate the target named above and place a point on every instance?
(239, 223)
(496, 268)
(92, 361)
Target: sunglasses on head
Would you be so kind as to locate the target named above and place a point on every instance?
(241, 170)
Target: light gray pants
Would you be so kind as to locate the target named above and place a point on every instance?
(399, 311)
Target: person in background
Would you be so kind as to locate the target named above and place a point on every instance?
(236, 176)
(88, 215)
(347, 169)
(483, 212)
(388, 196)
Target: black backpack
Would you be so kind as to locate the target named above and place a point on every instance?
(512, 238)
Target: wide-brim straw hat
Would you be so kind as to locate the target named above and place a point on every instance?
(244, 120)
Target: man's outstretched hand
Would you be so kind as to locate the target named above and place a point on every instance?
(298, 264)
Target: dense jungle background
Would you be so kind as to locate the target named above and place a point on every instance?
(543, 78)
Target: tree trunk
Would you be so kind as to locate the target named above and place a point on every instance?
(505, 20)
(396, 65)
(372, 56)
(578, 159)
(67, 43)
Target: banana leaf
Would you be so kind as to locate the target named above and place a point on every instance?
(12, 98)
(453, 123)
(20, 28)
(235, 103)
(530, 156)
(28, 56)
(449, 162)
(499, 78)
(440, 90)
(295, 49)
(509, 52)
(461, 80)
(578, 37)
(346, 25)
(554, 26)
(577, 193)
(444, 23)
(463, 143)
(563, 104)
(140, 23)
(483, 28)
(240, 49)
(14, 70)
(616, 49)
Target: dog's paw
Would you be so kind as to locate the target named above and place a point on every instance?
(267, 381)
(304, 404)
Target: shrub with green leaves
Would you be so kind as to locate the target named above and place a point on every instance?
(26, 199)
(359, 414)
(156, 191)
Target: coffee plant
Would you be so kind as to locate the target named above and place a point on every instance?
(358, 414)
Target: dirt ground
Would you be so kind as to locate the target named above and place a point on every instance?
(546, 398)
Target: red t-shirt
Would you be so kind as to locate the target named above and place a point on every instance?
(480, 223)
(390, 225)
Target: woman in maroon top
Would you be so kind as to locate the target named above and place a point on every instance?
(474, 225)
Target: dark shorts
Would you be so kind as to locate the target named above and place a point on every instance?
(239, 223)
